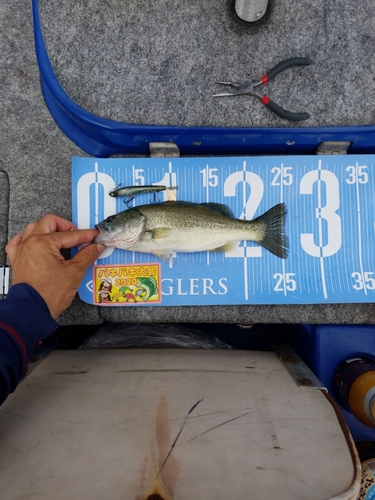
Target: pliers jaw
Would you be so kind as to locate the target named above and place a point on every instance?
(238, 89)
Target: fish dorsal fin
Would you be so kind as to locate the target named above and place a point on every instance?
(220, 208)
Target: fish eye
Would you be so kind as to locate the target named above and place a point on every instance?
(110, 218)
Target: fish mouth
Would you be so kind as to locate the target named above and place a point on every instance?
(99, 237)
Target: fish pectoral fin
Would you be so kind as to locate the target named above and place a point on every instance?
(225, 248)
(157, 234)
(160, 232)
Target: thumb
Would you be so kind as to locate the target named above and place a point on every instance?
(12, 246)
(87, 256)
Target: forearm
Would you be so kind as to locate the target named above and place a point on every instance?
(24, 320)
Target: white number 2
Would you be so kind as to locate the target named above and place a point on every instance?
(252, 204)
(328, 213)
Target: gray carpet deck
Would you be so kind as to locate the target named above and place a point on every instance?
(156, 62)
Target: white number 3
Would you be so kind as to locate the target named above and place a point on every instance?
(328, 213)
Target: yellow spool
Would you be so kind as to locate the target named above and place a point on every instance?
(362, 398)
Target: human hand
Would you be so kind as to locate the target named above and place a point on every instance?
(36, 259)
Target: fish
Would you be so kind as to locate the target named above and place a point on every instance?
(164, 229)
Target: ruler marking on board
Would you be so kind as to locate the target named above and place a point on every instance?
(281, 200)
(359, 229)
(336, 255)
(207, 201)
(172, 181)
(261, 281)
(96, 193)
(133, 204)
(340, 278)
(303, 216)
(245, 268)
(320, 230)
(367, 226)
(352, 198)
(306, 257)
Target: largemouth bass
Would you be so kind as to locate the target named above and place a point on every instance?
(178, 226)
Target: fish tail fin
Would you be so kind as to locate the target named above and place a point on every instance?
(274, 238)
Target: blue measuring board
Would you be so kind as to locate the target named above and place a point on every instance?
(330, 225)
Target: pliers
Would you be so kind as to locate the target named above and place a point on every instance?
(248, 88)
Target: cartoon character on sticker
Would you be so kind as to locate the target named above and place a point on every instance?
(104, 297)
(105, 285)
(117, 297)
(127, 293)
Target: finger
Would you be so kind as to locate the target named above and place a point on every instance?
(87, 256)
(12, 246)
(28, 229)
(69, 239)
(51, 223)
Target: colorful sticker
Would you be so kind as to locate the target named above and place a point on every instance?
(127, 284)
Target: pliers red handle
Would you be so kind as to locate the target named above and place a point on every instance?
(248, 88)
